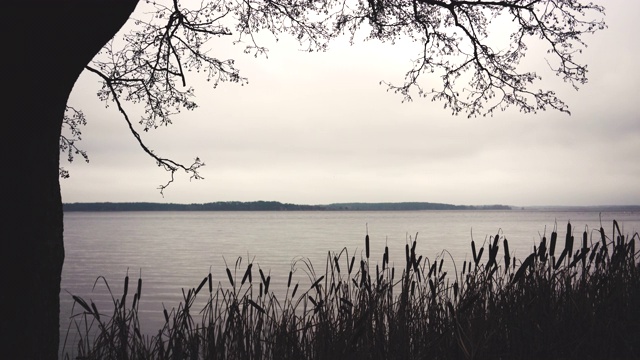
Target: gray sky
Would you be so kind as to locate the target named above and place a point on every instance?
(318, 128)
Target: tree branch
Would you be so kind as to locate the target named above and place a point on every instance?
(167, 164)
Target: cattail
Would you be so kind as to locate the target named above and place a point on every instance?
(432, 287)
(413, 251)
(621, 240)
(290, 275)
(95, 311)
(337, 264)
(264, 280)
(552, 243)
(580, 255)
(522, 268)
(124, 293)
(166, 315)
(542, 250)
(126, 283)
(473, 251)
(406, 251)
(139, 290)
(444, 275)
(366, 245)
(247, 275)
(479, 255)
(562, 256)
(353, 259)
(585, 249)
(414, 264)
(507, 256)
(316, 283)
(210, 283)
(230, 277)
(204, 281)
(569, 240)
(266, 285)
(493, 251)
(385, 258)
(255, 305)
(431, 270)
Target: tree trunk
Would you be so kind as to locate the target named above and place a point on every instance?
(47, 44)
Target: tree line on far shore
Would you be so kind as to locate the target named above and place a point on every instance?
(273, 206)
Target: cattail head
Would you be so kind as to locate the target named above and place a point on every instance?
(552, 243)
(230, 277)
(247, 275)
(366, 245)
(507, 256)
(204, 281)
(473, 251)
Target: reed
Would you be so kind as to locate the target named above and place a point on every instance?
(585, 305)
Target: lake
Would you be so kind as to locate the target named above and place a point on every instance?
(176, 250)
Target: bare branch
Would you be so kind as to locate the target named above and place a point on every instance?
(72, 121)
(167, 164)
(456, 45)
(151, 63)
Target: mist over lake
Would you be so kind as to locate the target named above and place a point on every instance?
(175, 250)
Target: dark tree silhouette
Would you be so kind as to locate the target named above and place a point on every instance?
(48, 44)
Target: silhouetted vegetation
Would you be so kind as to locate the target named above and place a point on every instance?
(214, 206)
(273, 206)
(411, 206)
(577, 300)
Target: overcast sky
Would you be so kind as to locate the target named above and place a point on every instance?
(319, 128)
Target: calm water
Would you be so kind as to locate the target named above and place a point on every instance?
(175, 250)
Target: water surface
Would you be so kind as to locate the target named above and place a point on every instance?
(175, 250)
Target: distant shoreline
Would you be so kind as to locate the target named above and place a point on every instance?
(273, 206)
(278, 206)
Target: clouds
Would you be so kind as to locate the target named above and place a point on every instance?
(318, 128)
